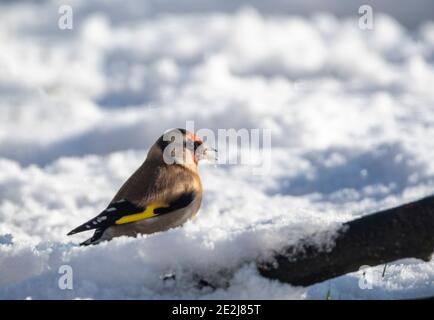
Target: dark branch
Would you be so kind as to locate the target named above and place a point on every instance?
(403, 232)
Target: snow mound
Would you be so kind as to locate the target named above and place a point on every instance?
(351, 114)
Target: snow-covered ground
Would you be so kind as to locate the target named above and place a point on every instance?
(351, 114)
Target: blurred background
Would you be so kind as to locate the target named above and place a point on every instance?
(128, 70)
(351, 111)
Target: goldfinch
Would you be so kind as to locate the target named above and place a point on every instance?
(163, 193)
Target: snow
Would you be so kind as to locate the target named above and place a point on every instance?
(351, 114)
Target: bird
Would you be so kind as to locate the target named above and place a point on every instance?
(163, 193)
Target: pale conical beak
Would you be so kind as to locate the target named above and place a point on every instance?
(212, 155)
(207, 153)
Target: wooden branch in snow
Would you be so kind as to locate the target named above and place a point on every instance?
(403, 232)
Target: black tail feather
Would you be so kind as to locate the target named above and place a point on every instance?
(94, 239)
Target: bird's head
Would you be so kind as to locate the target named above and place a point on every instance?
(178, 146)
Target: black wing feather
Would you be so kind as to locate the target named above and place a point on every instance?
(183, 201)
(108, 217)
(122, 208)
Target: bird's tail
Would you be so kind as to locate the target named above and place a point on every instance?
(95, 239)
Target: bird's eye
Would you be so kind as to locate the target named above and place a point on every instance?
(197, 144)
(190, 145)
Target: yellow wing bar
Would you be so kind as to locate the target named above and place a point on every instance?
(146, 214)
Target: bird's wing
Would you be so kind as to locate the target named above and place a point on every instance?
(124, 211)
